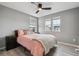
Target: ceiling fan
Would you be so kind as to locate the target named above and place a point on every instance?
(40, 7)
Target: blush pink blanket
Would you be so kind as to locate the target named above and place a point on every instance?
(34, 46)
(37, 44)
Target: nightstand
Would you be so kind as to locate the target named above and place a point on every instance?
(11, 42)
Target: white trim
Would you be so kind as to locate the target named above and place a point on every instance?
(69, 44)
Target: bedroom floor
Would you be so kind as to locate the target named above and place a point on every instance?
(61, 50)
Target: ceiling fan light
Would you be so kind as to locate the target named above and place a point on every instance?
(40, 9)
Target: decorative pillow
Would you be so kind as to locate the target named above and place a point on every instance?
(25, 32)
(28, 32)
(20, 32)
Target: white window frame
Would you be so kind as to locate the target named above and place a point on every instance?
(53, 27)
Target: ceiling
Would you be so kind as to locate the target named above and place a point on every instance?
(30, 8)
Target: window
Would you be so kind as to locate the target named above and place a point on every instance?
(56, 24)
(33, 24)
(48, 25)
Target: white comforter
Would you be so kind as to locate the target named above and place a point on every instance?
(48, 41)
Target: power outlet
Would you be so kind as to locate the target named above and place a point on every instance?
(74, 40)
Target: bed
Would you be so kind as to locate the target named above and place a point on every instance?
(37, 44)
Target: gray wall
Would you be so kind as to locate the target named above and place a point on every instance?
(11, 20)
(78, 29)
(69, 25)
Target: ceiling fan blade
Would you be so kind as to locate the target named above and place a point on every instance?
(37, 11)
(47, 8)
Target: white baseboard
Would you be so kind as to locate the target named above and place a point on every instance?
(69, 44)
